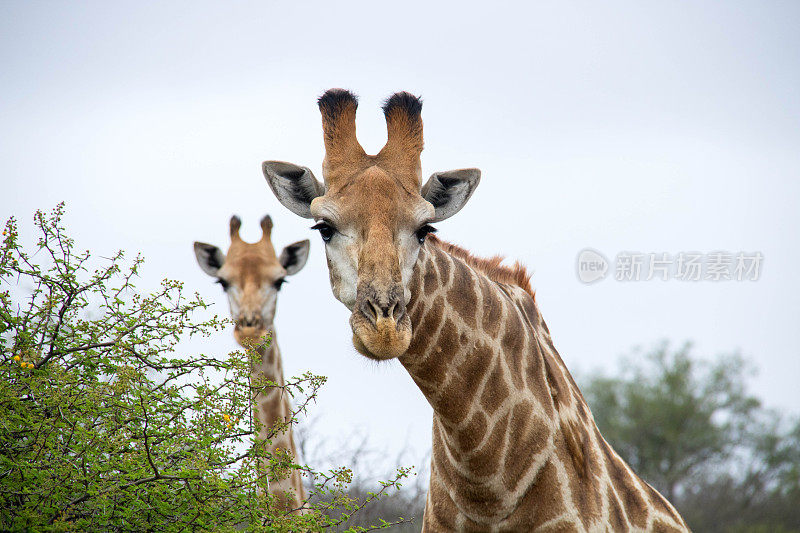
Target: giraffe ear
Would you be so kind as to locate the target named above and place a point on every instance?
(294, 186)
(209, 257)
(449, 191)
(293, 258)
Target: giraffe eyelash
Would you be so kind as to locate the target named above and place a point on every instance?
(423, 232)
(325, 230)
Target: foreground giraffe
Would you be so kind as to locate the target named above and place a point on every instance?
(252, 275)
(515, 447)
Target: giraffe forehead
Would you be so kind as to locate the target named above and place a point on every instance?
(252, 263)
(372, 198)
(242, 253)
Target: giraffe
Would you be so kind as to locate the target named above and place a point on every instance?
(515, 446)
(251, 274)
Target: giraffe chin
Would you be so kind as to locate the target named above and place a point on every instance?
(385, 340)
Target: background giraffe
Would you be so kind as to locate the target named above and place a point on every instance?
(515, 447)
(251, 276)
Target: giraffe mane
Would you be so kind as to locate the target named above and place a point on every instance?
(492, 267)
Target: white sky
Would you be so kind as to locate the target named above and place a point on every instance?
(654, 127)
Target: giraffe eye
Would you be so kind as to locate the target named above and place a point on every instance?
(223, 283)
(325, 230)
(279, 283)
(423, 232)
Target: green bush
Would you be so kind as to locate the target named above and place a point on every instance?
(106, 426)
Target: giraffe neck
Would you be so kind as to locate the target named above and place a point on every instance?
(514, 444)
(272, 406)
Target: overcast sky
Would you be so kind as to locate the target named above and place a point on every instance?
(643, 126)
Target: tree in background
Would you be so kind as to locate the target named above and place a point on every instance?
(105, 427)
(690, 428)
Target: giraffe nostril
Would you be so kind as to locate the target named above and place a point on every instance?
(373, 310)
(250, 321)
(397, 312)
(370, 310)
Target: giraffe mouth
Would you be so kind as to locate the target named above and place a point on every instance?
(252, 329)
(387, 338)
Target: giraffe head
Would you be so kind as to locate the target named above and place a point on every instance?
(373, 213)
(251, 274)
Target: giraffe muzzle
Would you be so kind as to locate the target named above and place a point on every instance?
(250, 327)
(381, 326)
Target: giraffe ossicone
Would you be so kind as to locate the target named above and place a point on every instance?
(515, 447)
(251, 274)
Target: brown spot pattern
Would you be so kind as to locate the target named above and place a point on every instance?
(513, 349)
(461, 294)
(542, 503)
(573, 437)
(616, 516)
(528, 436)
(492, 310)
(496, 390)
(471, 435)
(430, 281)
(488, 458)
(635, 505)
(443, 263)
(662, 527)
(463, 385)
(425, 329)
